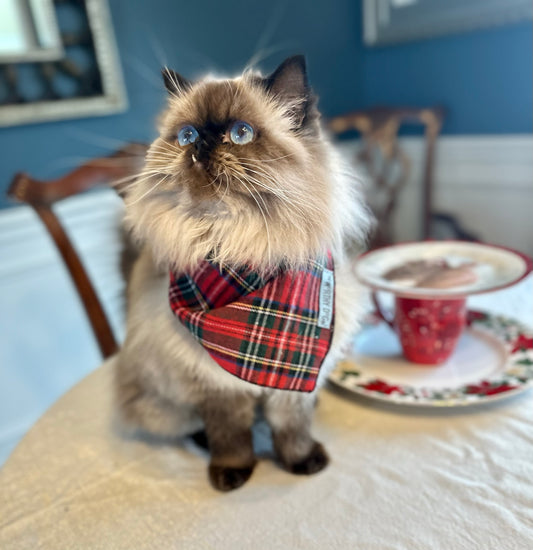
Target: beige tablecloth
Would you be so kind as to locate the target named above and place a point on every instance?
(399, 479)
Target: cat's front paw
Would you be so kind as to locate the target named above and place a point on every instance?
(225, 478)
(315, 461)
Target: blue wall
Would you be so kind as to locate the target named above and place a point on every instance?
(484, 78)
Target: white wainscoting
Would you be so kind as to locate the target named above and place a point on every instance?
(46, 344)
(486, 181)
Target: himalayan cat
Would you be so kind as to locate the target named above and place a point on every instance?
(240, 177)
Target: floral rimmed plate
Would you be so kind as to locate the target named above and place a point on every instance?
(493, 360)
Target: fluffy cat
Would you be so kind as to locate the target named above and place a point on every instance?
(240, 174)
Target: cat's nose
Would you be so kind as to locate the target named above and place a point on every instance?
(201, 154)
(201, 146)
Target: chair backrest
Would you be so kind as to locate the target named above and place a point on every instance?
(386, 164)
(41, 196)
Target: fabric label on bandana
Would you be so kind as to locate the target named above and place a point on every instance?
(273, 331)
(327, 290)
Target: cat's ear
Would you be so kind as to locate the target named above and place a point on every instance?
(174, 82)
(289, 84)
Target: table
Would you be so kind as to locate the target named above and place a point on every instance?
(399, 478)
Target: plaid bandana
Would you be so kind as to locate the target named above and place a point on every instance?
(273, 331)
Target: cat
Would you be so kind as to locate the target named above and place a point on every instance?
(241, 177)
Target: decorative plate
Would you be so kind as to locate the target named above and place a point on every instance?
(493, 360)
(493, 267)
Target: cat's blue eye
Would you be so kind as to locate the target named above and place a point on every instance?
(241, 133)
(187, 135)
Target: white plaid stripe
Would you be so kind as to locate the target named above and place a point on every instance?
(304, 319)
(257, 283)
(258, 329)
(306, 352)
(286, 331)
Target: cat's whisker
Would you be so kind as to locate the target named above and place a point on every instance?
(164, 155)
(167, 149)
(225, 190)
(282, 193)
(162, 160)
(296, 209)
(164, 145)
(269, 246)
(210, 183)
(227, 186)
(74, 162)
(139, 179)
(267, 160)
(157, 48)
(135, 179)
(250, 189)
(278, 193)
(159, 156)
(263, 173)
(167, 143)
(268, 31)
(275, 191)
(265, 53)
(268, 178)
(260, 172)
(138, 199)
(144, 71)
(146, 172)
(175, 83)
(219, 173)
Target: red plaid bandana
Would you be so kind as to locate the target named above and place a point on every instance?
(272, 331)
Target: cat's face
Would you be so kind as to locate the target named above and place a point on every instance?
(221, 140)
(239, 170)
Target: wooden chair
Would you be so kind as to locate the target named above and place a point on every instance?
(388, 166)
(41, 196)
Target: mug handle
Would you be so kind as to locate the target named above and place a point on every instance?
(379, 310)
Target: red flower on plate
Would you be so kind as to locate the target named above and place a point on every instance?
(472, 316)
(522, 342)
(381, 387)
(486, 388)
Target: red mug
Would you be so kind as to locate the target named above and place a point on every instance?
(428, 328)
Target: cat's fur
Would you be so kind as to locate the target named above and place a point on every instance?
(281, 199)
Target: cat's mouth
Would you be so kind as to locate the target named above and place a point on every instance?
(213, 175)
(201, 168)
(200, 163)
(220, 177)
